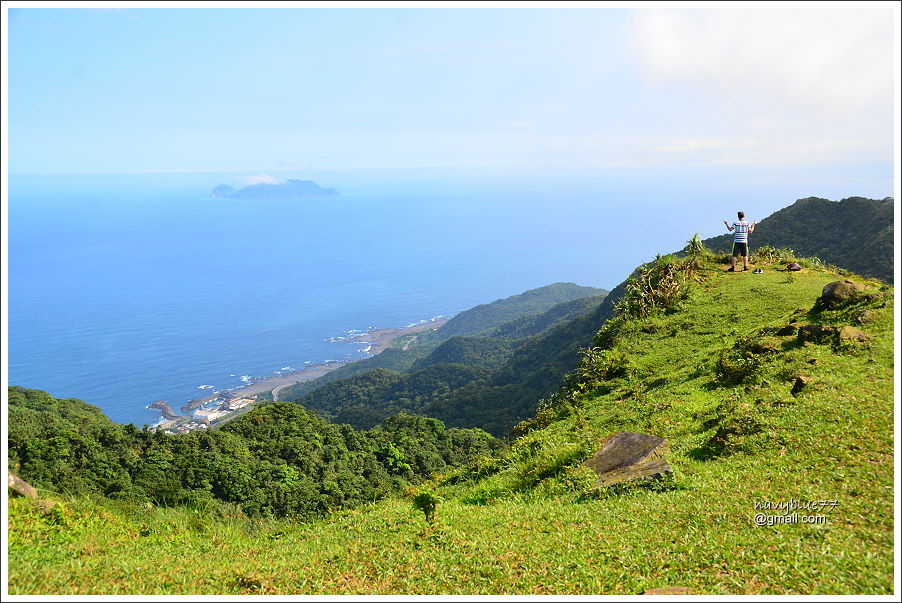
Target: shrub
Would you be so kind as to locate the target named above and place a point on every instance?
(773, 255)
(427, 501)
(658, 286)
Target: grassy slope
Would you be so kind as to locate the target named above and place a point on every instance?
(529, 527)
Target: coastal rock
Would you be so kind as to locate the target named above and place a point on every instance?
(793, 267)
(162, 406)
(625, 456)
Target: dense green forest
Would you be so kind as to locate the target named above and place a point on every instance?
(491, 381)
(855, 233)
(484, 317)
(522, 315)
(277, 460)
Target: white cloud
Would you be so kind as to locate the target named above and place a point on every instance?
(263, 179)
(833, 61)
(688, 145)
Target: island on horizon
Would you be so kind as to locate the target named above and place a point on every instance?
(290, 189)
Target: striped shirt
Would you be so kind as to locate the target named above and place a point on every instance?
(740, 231)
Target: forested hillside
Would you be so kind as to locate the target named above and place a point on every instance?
(277, 460)
(513, 319)
(767, 391)
(855, 233)
(482, 318)
(491, 382)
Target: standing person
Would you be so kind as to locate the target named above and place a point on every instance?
(740, 230)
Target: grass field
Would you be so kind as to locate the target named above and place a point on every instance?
(714, 378)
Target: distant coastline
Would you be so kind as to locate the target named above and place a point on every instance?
(377, 340)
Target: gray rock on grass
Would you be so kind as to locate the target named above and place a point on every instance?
(626, 456)
(839, 293)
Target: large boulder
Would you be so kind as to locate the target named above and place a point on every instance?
(20, 486)
(793, 267)
(840, 293)
(625, 456)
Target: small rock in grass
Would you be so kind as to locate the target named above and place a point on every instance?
(669, 590)
(849, 334)
(802, 381)
(867, 316)
(817, 333)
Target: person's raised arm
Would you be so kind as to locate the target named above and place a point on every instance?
(752, 227)
(730, 228)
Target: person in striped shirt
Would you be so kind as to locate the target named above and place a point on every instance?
(741, 230)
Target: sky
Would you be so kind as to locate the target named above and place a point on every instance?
(173, 89)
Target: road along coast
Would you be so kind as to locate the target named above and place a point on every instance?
(222, 406)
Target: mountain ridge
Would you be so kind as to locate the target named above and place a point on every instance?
(855, 233)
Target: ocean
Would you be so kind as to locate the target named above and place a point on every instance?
(130, 288)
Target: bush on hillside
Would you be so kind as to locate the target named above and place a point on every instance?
(658, 286)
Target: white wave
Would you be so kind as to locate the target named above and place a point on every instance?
(204, 387)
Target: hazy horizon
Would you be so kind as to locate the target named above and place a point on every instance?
(274, 91)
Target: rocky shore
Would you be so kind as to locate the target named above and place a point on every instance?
(377, 340)
(162, 406)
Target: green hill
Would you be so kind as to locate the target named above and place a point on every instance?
(513, 319)
(277, 460)
(529, 355)
(706, 359)
(855, 233)
(506, 376)
(484, 317)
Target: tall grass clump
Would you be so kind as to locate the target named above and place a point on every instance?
(768, 254)
(658, 286)
(696, 251)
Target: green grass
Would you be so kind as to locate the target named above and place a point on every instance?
(529, 523)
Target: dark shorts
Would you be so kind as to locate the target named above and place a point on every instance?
(740, 249)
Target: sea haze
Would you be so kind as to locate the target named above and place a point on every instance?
(128, 289)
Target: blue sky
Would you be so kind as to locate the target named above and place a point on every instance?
(274, 90)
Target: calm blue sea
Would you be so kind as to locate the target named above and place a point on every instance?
(132, 288)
